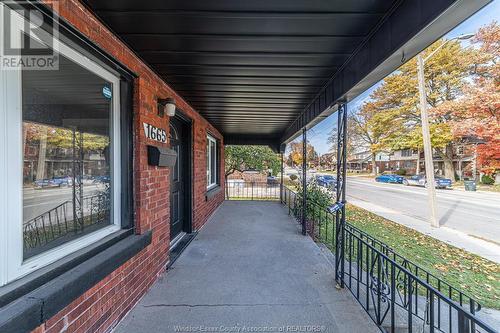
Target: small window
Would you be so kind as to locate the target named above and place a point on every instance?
(212, 162)
(406, 152)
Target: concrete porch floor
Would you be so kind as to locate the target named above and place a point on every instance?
(249, 268)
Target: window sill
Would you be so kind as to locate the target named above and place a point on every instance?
(212, 192)
(27, 310)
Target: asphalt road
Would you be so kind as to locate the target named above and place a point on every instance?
(39, 201)
(474, 213)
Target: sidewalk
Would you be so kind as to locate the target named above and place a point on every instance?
(448, 235)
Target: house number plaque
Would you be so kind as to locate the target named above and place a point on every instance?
(155, 133)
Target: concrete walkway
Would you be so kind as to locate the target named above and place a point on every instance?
(249, 270)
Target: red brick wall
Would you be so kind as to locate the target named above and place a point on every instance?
(101, 307)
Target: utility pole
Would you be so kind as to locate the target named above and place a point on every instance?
(424, 116)
(429, 164)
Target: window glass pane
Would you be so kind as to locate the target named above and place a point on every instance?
(208, 163)
(213, 160)
(67, 156)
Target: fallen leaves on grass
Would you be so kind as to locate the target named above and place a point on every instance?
(474, 275)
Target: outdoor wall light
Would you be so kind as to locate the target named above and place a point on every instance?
(166, 106)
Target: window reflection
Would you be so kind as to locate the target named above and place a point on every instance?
(66, 145)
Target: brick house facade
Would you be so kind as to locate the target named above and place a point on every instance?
(102, 305)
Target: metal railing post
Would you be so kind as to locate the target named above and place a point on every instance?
(340, 193)
(304, 180)
(389, 287)
(281, 180)
(463, 323)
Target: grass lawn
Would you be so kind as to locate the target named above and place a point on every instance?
(474, 275)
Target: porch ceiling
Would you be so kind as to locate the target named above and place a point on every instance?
(253, 67)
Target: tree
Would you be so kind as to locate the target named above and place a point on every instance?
(477, 112)
(367, 127)
(295, 156)
(46, 137)
(241, 158)
(483, 97)
(329, 160)
(392, 116)
(352, 143)
(62, 137)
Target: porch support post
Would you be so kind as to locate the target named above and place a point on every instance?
(281, 179)
(304, 180)
(340, 194)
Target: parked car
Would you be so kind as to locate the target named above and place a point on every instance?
(63, 181)
(272, 180)
(390, 178)
(328, 181)
(102, 179)
(53, 182)
(44, 183)
(419, 180)
(88, 180)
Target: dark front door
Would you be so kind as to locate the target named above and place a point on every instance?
(179, 177)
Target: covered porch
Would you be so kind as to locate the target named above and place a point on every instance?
(191, 77)
(249, 267)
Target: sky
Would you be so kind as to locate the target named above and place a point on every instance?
(318, 135)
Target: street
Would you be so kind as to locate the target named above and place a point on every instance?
(474, 213)
(39, 201)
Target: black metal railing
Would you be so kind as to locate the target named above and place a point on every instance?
(397, 293)
(60, 220)
(252, 190)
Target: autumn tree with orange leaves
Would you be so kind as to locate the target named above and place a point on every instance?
(477, 112)
(462, 90)
(295, 159)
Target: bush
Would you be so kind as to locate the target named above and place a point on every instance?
(487, 180)
(289, 183)
(318, 195)
(317, 199)
(294, 177)
(401, 172)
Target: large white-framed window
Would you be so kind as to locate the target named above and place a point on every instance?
(212, 163)
(59, 160)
